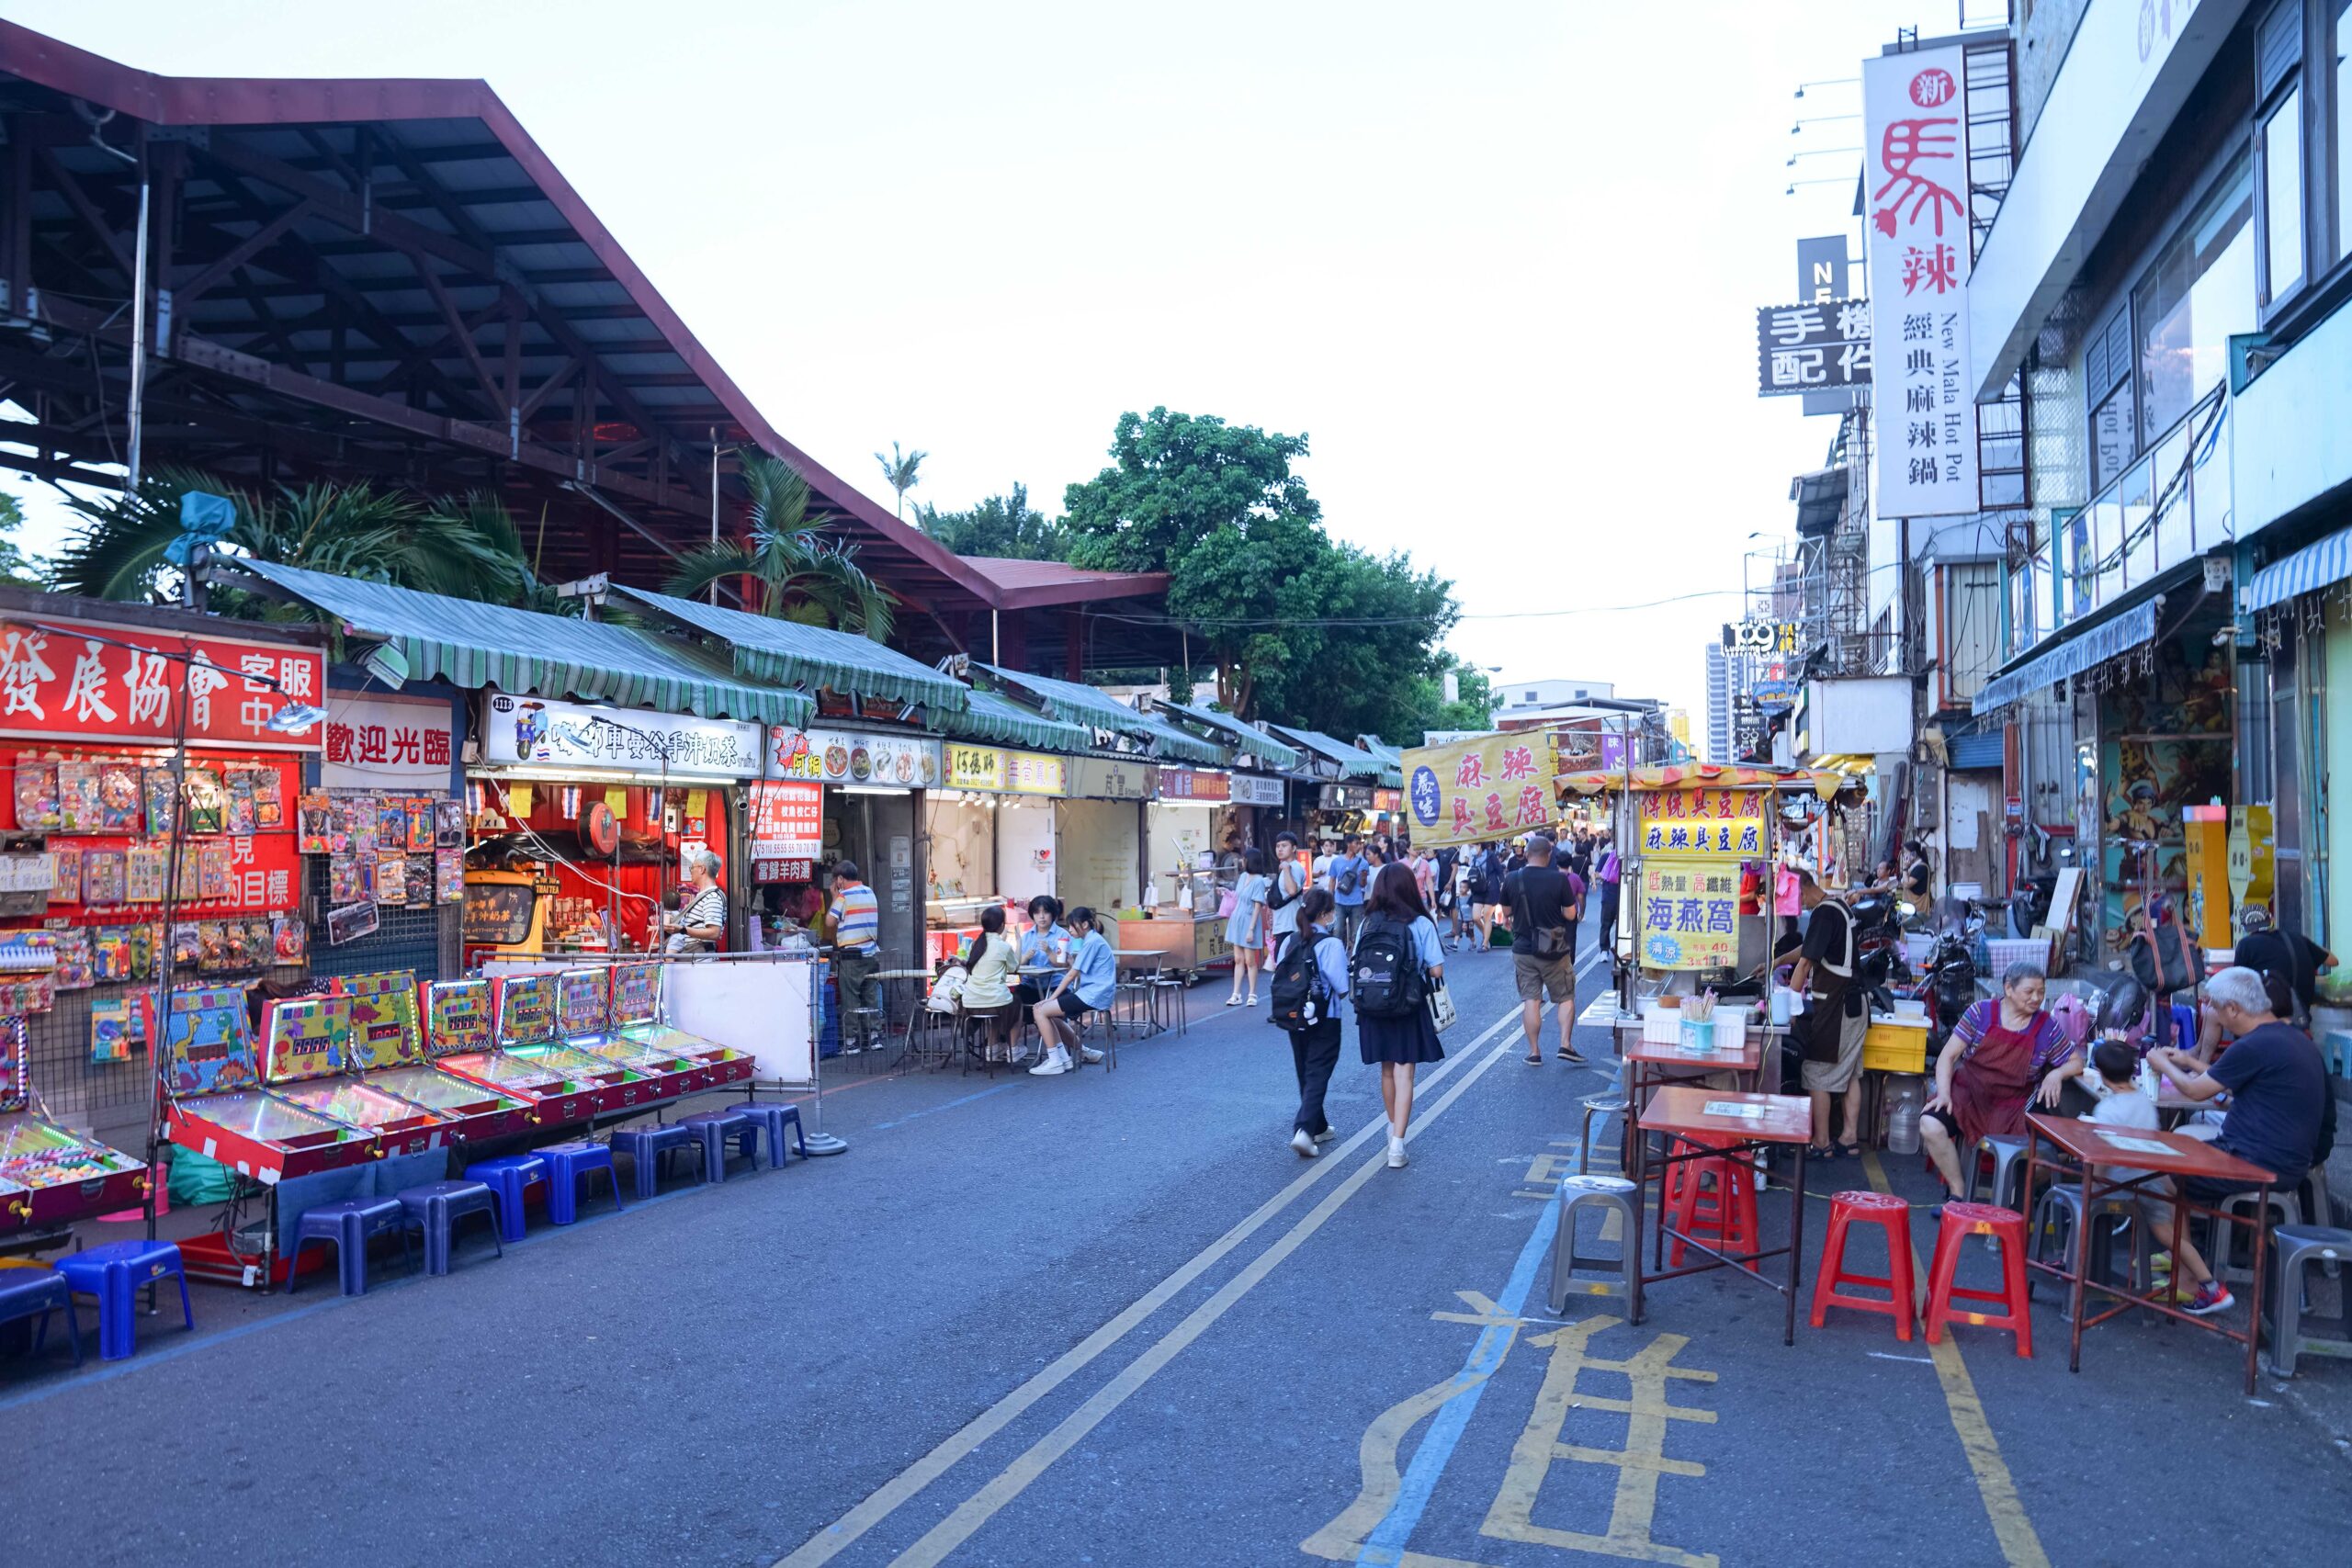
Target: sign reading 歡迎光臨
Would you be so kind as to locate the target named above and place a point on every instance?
(387, 743)
(1915, 201)
(1713, 822)
(1487, 788)
(1688, 916)
(69, 680)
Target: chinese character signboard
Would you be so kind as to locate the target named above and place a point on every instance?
(1000, 771)
(56, 684)
(1109, 778)
(1719, 824)
(1248, 790)
(537, 730)
(1191, 784)
(1489, 787)
(1688, 916)
(1822, 347)
(787, 820)
(387, 743)
(860, 757)
(1915, 201)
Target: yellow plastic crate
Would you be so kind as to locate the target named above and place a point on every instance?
(1896, 1047)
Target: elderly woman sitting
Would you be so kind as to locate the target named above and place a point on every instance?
(1998, 1053)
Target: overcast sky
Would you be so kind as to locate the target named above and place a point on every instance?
(1498, 261)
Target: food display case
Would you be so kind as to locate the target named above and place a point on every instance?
(523, 1027)
(217, 1107)
(1183, 940)
(306, 1059)
(639, 1017)
(394, 1051)
(49, 1176)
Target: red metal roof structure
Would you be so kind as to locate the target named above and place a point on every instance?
(389, 279)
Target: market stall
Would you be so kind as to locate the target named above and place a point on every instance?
(1187, 827)
(875, 782)
(390, 757)
(1013, 798)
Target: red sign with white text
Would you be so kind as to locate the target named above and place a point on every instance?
(787, 820)
(56, 683)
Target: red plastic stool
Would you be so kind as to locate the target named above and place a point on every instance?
(1893, 1215)
(2006, 1228)
(1726, 1210)
(1678, 1177)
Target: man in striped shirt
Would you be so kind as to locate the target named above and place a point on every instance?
(702, 923)
(857, 928)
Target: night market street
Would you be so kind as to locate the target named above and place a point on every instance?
(1114, 1319)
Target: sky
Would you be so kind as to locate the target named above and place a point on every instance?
(1498, 263)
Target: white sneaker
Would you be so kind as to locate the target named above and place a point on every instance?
(1326, 1135)
(1056, 1062)
(1395, 1152)
(1089, 1052)
(1020, 1056)
(1304, 1144)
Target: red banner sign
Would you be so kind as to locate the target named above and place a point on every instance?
(56, 683)
(1188, 784)
(787, 820)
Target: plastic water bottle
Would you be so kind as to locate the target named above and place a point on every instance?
(1904, 1098)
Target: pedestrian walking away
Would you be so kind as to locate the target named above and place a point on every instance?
(1545, 902)
(1606, 870)
(1390, 973)
(1245, 929)
(1087, 987)
(1830, 1031)
(1351, 878)
(858, 958)
(1310, 976)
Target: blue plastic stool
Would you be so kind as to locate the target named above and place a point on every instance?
(435, 1210)
(114, 1274)
(37, 1292)
(348, 1225)
(773, 1120)
(711, 1129)
(650, 1149)
(568, 1165)
(506, 1177)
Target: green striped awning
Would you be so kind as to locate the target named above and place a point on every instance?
(1354, 761)
(1074, 703)
(793, 654)
(469, 644)
(999, 719)
(1243, 736)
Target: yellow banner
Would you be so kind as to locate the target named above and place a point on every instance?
(1714, 822)
(1488, 788)
(1690, 914)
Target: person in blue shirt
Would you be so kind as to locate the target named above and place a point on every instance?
(1401, 1044)
(1093, 976)
(1044, 945)
(1350, 876)
(1314, 1050)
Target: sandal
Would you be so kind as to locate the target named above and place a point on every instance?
(1535, 1060)
(1851, 1151)
(1821, 1151)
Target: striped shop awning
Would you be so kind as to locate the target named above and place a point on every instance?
(2317, 566)
(998, 718)
(472, 645)
(1080, 704)
(2097, 646)
(768, 647)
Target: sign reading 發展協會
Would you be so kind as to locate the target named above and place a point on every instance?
(1688, 916)
(67, 679)
(1916, 202)
(1490, 786)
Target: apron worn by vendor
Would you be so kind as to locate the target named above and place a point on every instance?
(1831, 998)
(1994, 1080)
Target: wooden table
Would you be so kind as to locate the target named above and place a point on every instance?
(1751, 1122)
(2155, 1154)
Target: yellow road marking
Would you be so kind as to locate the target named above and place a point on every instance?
(1009, 1484)
(2019, 1545)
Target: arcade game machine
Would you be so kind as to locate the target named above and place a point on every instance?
(306, 1060)
(218, 1108)
(583, 1015)
(393, 1052)
(523, 1023)
(50, 1177)
(637, 1017)
(579, 1010)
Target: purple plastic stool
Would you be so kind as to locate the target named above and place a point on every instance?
(711, 1129)
(37, 1292)
(348, 1225)
(568, 1165)
(506, 1177)
(650, 1149)
(773, 1120)
(436, 1209)
(114, 1273)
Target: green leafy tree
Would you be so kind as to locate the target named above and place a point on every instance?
(803, 574)
(16, 569)
(1002, 525)
(1364, 631)
(899, 468)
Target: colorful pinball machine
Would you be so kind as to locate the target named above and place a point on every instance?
(399, 1053)
(516, 1061)
(307, 1060)
(51, 1177)
(583, 1017)
(638, 1018)
(219, 1106)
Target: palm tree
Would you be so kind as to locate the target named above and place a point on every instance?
(803, 575)
(899, 470)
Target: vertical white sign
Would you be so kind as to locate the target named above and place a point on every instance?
(1915, 191)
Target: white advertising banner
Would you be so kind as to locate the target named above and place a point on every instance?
(536, 729)
(1915, 179)
(401, 744)
(1250, 789)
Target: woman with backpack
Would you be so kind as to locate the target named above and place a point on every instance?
(1245, 929)
(1396, 961)
(1310, 976)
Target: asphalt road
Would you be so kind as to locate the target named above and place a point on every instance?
(1112, 1318)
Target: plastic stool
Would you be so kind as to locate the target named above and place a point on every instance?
(568, 1165)
(2007, 1153)
(650, 1149)
(2298, 1246)
(435, 1210)
(2059, 1227)
(37, 1292)
(1608, 1102)
(506, 1176)
(772, 1120)
(2285, 1208)
(711, 1129)
(1727, 1210)
(1891, 1214)
(2006, 1228)
(1606, 1193)
(1170, 998)
(114, 1274)
(347, 1224)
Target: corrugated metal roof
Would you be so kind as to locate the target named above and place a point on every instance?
(794, 654)
(1084, 705)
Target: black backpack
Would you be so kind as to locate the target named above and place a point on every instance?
(1387, 981)
(1299, 997)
